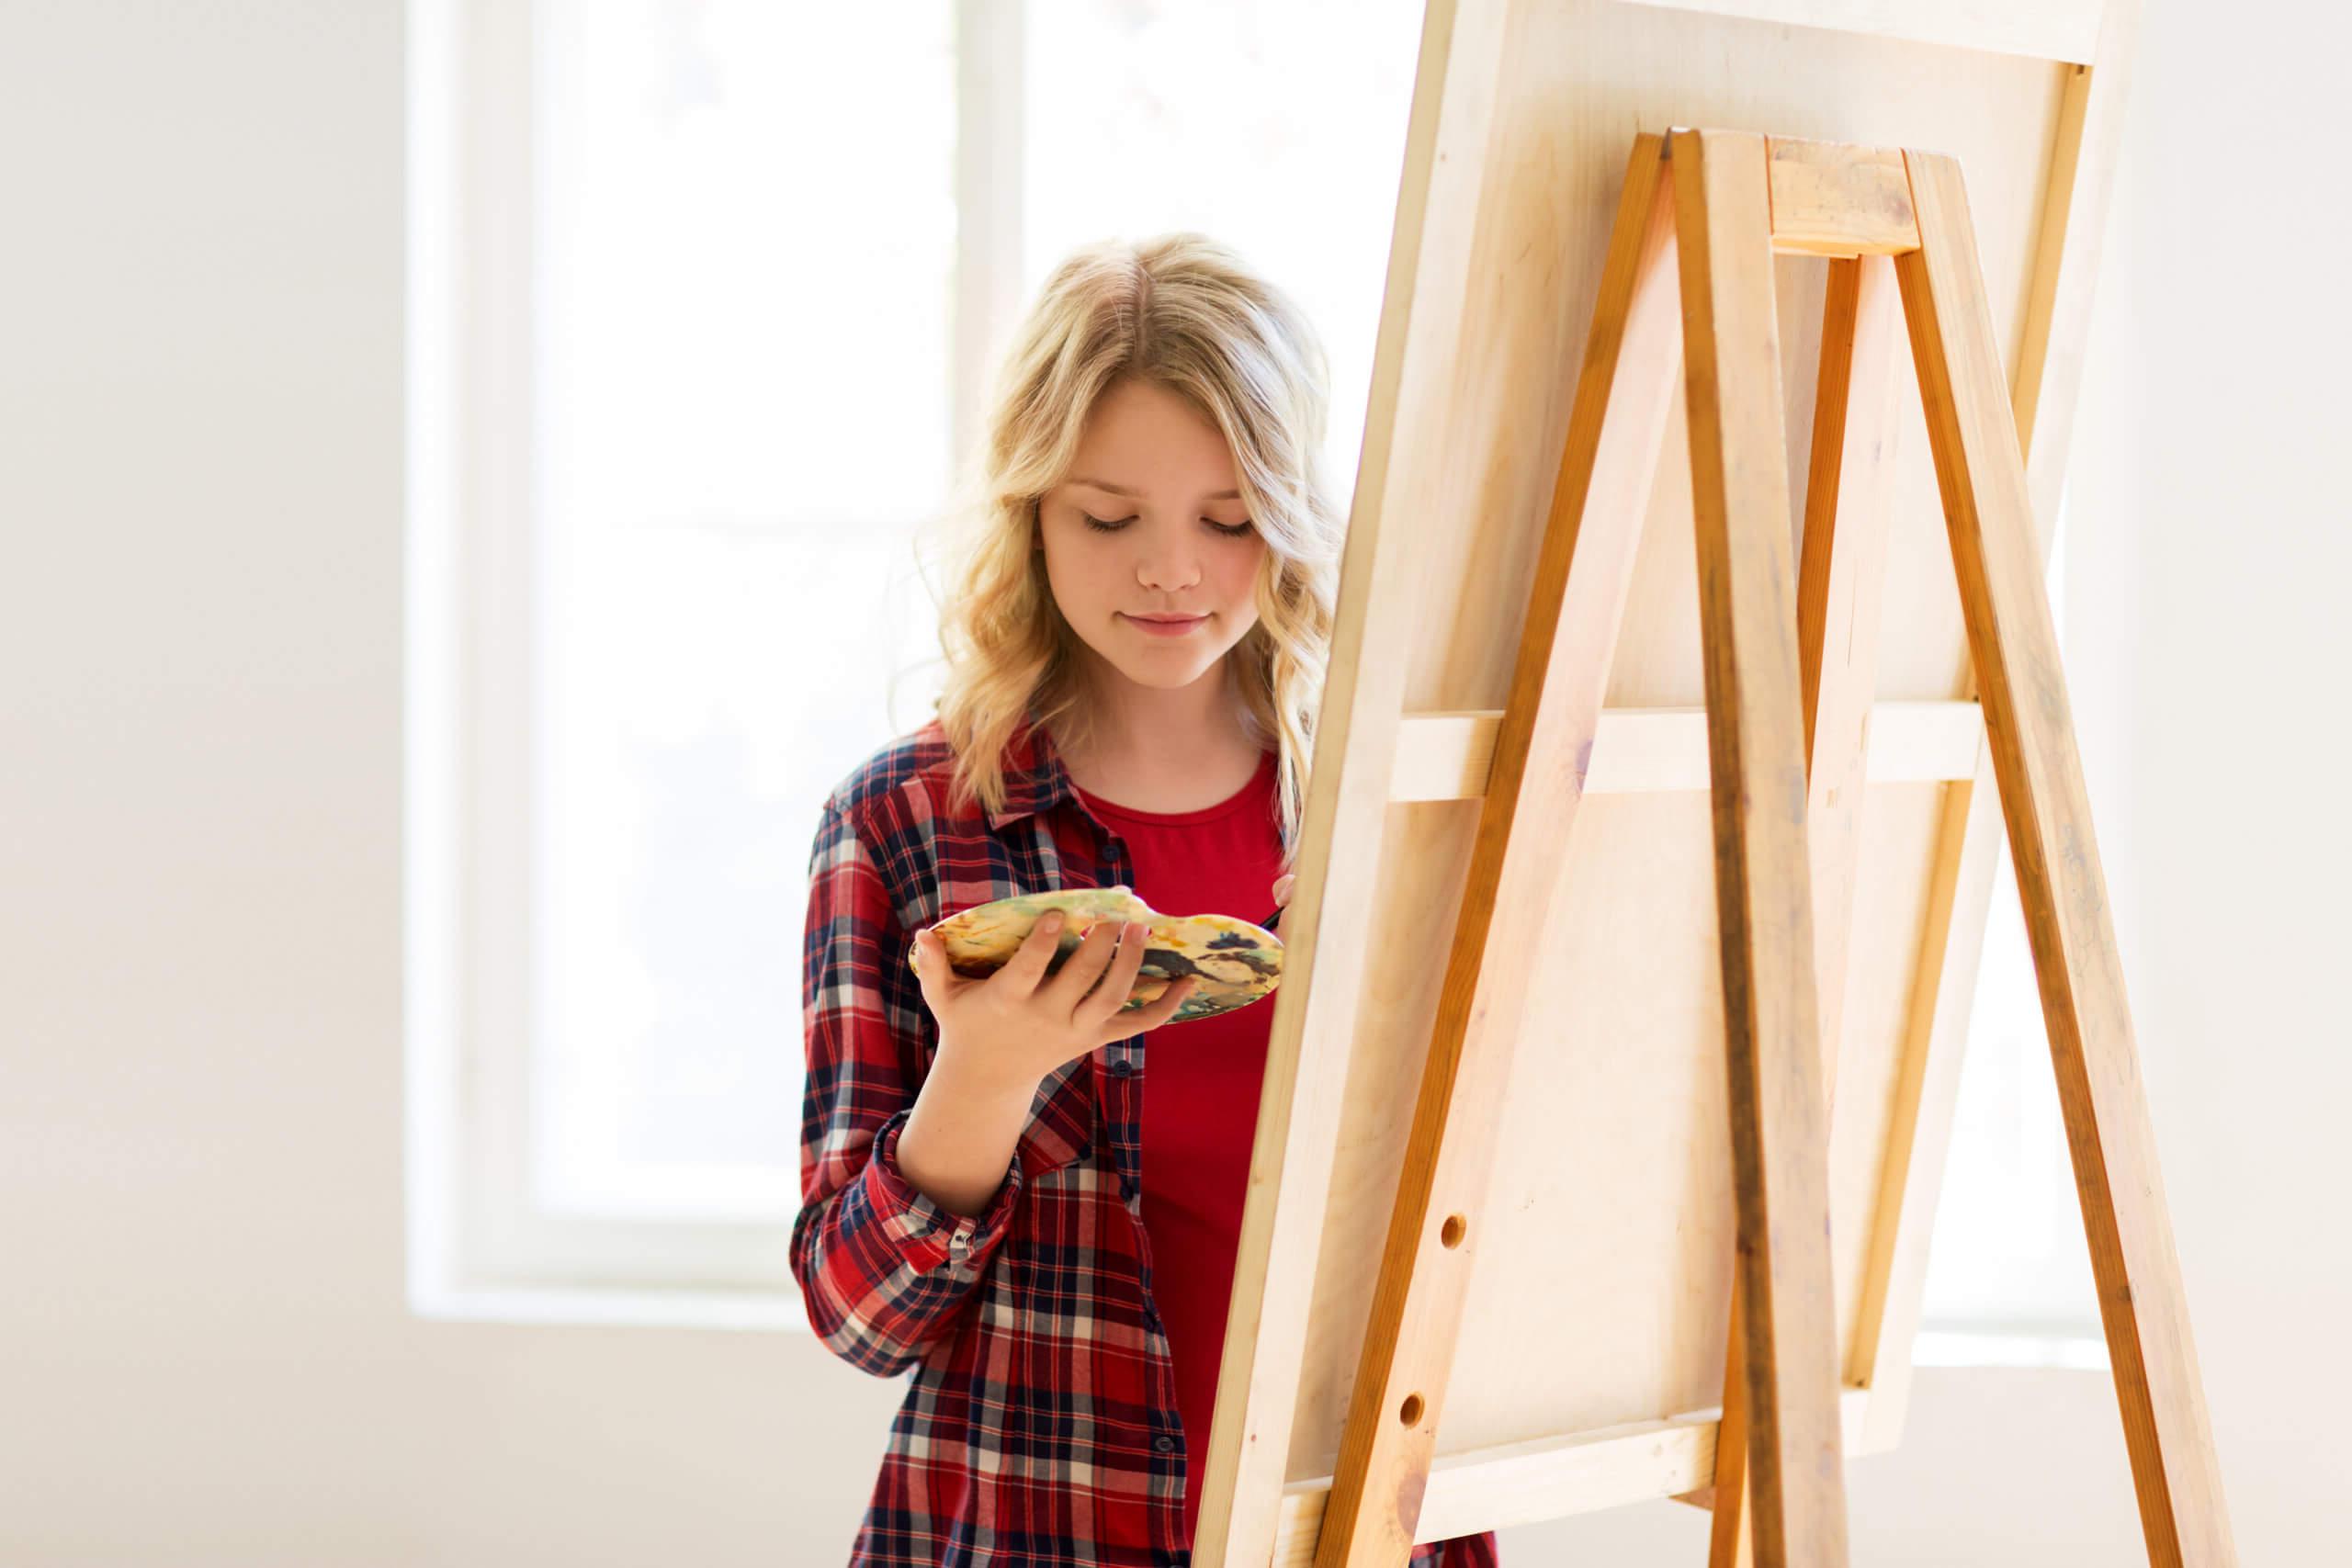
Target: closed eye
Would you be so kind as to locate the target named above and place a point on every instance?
(1230, 530)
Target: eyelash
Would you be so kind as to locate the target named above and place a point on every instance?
(1233, 530)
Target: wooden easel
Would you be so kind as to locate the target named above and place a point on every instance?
(1550, 1337)
(1790, 663)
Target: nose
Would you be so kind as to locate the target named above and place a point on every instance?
(1163, 570)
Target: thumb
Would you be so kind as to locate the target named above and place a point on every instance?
(932, 972)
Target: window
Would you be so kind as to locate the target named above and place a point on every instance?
(702, 295)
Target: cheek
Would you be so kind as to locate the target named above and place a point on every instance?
(1081, 566)
(1071, 556)
(1239, 573)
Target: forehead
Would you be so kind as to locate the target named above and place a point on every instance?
(1143, 442)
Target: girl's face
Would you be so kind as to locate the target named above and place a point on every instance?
(1150, 523)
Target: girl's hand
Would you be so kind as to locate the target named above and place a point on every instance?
(1282, 890)
(1019, 1024)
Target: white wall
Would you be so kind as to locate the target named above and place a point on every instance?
(204, 1355)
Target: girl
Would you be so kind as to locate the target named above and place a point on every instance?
(997, 1195)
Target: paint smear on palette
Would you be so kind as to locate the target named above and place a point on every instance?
(1233, 962)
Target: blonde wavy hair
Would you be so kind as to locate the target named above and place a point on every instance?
(1186, 313)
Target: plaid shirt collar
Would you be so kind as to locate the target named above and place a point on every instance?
(1035, 777)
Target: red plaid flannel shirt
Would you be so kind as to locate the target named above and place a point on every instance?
(1040, 1427)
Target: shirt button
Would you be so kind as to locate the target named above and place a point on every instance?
(1122, 1068)
(1164, 1443)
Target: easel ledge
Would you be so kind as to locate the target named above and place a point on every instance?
(1551, 1478)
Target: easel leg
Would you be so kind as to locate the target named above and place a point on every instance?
(1841, 578)
(1575, 603)
(1757, 757)
(2029, 723)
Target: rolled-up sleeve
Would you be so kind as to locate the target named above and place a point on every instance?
(883, 1270)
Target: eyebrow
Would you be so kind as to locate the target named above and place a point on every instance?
(1122, 490)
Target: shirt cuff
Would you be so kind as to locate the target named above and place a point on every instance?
(932, 1236)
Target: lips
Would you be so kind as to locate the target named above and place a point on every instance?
(1180, 627)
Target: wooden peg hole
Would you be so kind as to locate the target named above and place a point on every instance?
(1411, 1413)
(1453, 1231)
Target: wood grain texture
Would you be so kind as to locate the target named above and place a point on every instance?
(1610, 1243)
(1943, 991)
(1779, 1123)
(1833, 199)
(2069, 926)
(1541, 751)
(1447, 756)
(1840, 583)
(2046, 377)
(1545, 1478)
(1317, 1015)
(2056, 331)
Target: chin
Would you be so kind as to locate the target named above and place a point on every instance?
(1167, 677)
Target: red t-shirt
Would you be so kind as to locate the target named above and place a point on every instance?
(1200, 1086)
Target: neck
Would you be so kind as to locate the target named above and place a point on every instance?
(1160, 728)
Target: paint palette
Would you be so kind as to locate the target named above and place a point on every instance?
(1232, 962)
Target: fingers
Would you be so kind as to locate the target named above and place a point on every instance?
(1153, 1014)
(1107, 1008)
(1090, 990)
(1026, 968)
(1119, 980)
(1141, 1020)
(1098, 952)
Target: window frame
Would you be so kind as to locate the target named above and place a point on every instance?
(479, 1246)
